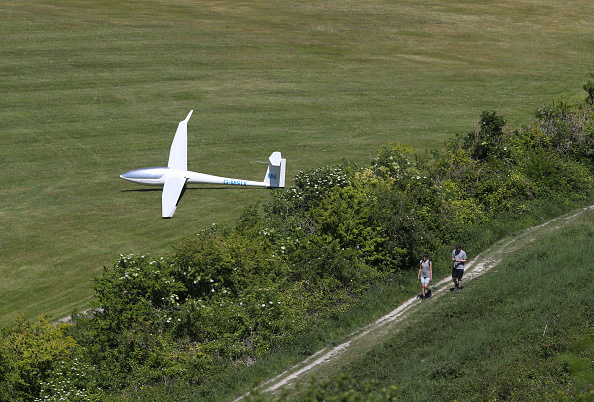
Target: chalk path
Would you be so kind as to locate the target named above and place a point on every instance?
(366, 337)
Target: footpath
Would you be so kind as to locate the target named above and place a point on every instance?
(359, 342)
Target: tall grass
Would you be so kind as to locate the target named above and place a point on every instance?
(91, 89)
(505, 337)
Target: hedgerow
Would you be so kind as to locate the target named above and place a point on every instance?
(229, 296)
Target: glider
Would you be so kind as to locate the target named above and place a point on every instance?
(175, 177)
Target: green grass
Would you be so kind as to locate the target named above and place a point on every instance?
(507, 336)
(91, 89)
(502, 338)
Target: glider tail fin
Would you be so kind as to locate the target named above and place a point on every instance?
(275, 175)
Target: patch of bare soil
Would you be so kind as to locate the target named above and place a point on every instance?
(327, 360)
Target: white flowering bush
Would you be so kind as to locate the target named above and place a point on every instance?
(313, 186)
(70, 380)
(394, 163)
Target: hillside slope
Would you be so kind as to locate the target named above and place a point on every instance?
(330, 360)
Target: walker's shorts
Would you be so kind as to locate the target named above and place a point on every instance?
(457, 273)
(424, 280)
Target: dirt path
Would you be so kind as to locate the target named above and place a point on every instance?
(360, 341)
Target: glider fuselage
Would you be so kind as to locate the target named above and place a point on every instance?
(156, 176)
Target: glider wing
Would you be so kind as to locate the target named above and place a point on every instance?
(178, 154)
(172, 192)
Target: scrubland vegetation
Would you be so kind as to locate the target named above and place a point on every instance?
(521, 332)
(209, 317)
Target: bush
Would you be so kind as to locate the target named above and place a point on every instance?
(28, 353)
(567, 129)
(487, 141)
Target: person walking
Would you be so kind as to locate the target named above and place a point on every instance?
(458, 258)
(425, 275)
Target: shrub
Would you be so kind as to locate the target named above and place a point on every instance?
(313, 186)
(567, 129)
(487, 140)
(70, 380)
(589, 88)
(28, 352)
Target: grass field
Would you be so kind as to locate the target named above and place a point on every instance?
(92, 89)
(507, 336)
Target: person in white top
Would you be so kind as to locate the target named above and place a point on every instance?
(425, 275)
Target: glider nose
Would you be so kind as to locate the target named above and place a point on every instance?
(149, 176)
(128, 176)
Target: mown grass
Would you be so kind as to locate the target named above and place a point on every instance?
(509, 335)
(92, 89)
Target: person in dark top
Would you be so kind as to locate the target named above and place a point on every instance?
(458, 258)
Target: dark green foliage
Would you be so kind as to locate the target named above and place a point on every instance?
(230, 296)
(488, 140)
(219, 302)
(589, 88)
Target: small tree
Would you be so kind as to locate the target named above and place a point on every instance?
(487, 139)
(589, 88)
